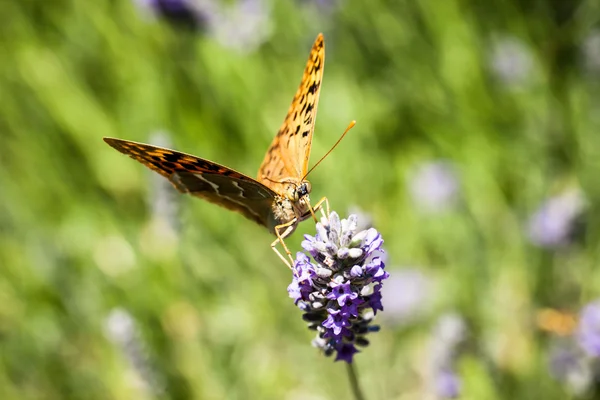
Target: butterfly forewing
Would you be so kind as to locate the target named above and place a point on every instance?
(287, 157)
(205, 179)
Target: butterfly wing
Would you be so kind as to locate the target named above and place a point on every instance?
(289, 152)
(205, 179)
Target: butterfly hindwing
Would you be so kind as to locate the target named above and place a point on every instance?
(250, 198)
(288, 155)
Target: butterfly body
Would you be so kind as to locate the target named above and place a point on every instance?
(279, 198)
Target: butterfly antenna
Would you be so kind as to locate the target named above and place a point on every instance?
(350, 126)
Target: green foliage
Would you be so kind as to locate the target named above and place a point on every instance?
(79, 239)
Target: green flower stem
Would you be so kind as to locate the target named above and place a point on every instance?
(354, 382)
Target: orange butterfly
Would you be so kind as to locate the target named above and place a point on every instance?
(558, 322)
(279, 197)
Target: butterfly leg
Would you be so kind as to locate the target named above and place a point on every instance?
(286, 229)
(319, 207)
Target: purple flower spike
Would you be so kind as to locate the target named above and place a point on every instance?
(588, 332)
(434, 186)
(554, 223)
(341, 291)
(181, 13)
(447, 385)
(449, 336)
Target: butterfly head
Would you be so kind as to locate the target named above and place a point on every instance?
(298, 195)
(292, 204)
(298, 191)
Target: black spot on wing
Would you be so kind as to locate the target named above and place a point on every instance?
(157, 165)
(172, 157)
(313, 88)
(203, 165)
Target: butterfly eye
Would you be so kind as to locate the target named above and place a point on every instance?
(304, 189)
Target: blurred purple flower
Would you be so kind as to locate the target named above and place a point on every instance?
(575, 359)
(406, 295)
(449, 333)
(184, 13)
(591, 51)
(243, 26)
(121, 329)
(448, 336)
(554, 222)
(511, 61)
(567, 364)
(447, 384)
(340, 293)
(588, 331)
(434, 186)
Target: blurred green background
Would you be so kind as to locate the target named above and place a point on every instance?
(475, 154)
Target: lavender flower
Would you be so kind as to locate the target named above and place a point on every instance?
(407, 295)
(575, 359)
(448, 336)
(588, 331)
(569, 365)
(243, 25)
(184, 13)
(340, 293)
(555, 221)
(591, 52)
(121, 329)
(511, 61)
(447, 384)
(434, 186)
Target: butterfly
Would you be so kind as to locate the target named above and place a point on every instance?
(278, 198)
(558, 322)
